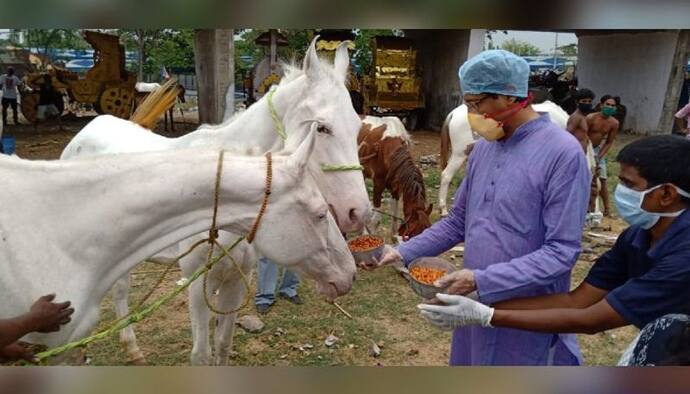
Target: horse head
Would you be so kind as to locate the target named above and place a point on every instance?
(416, 221)
(317, 92)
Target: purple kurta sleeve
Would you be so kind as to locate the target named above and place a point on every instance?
(563, 212)
(443, 234)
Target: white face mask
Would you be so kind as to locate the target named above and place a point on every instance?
(629, 204)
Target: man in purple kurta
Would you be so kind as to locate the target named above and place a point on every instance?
(520, 212)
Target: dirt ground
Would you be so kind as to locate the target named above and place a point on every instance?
(381, 302)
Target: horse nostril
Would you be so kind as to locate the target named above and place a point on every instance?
(353, 215)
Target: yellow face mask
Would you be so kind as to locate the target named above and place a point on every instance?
(490, 129)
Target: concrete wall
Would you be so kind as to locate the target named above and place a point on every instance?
(215, 70)
(440, 54)
(634, 66)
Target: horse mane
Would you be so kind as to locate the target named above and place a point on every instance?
(404, 176)
(155, 105)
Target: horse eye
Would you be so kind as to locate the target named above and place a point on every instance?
(323, 129)
(322, 216)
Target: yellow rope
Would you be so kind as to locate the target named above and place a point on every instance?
(341, 167)
(138, 315)
(280, 129)
(274, 114)
(226, 253)
(132, 317)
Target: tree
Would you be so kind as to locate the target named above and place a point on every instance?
(175, 48)
(46, 39)
(520, 48)
(143, 40)
(363, 55)
(568, 50)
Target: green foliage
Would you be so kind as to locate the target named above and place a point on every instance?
(521, 48)
(174, 48)
(363, 55)
(46, 39)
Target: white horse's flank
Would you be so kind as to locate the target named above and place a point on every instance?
(317, 92)
(461, 136)
(76, 227)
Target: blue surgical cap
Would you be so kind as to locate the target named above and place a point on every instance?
(495, 71)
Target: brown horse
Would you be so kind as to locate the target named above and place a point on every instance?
(388, 162)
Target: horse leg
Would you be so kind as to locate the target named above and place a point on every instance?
(127, 337)
(454, 164)
(378, 193)
(199, 315)
(172, 120)
(231, 295)
(394, 217)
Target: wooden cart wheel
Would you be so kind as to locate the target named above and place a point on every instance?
(116, 102)
(29, 106)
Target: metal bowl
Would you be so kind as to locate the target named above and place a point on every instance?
(367, 256)
(428, 291)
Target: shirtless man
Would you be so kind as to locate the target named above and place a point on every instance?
(602, 129)
(577, 122)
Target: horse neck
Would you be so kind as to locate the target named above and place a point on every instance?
(252, 131)
(406, 179)
(131, 209)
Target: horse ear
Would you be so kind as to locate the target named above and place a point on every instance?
(311, 65)
(428, 210)
(300, 157)
(342, 60)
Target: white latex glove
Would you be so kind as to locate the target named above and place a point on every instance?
(389, 255)
(457, 282)
(459, 311)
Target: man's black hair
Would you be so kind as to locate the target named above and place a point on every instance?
(584, 93)
(604, 98)
(660, 159)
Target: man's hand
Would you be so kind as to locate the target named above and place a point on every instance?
(458, 311)
(458, 282)
(389, 255)
(47, 316)
(17, 351)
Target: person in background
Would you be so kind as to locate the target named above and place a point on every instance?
(577, 122)
(602, 129)
(9, 83)
(267, 280)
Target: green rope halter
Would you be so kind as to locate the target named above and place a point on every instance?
(280, 129)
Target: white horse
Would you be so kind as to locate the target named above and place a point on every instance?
(457, 136)
(74, 228)
(316, 92)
